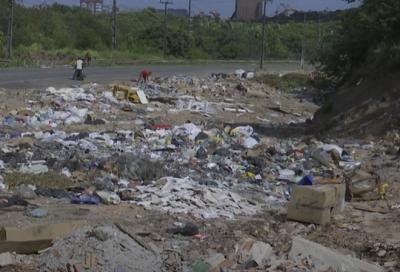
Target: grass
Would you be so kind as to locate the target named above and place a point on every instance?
(35, 56)
(50, 179)
(285, 82)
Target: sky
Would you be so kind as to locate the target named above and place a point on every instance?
(225, 7)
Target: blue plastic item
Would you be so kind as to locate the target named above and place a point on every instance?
(306, 181)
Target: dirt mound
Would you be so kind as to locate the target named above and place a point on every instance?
(368, 107)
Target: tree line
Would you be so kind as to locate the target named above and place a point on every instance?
(59, 31)
(365, 40)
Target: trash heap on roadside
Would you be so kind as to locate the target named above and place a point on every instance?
(165, 147)
(193, 168)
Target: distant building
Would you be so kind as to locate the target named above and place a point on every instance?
(248, 10)
(95, 6)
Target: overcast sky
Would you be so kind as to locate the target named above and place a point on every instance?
(225, 7)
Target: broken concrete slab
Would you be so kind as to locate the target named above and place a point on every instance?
(320, 255)
(252, 250)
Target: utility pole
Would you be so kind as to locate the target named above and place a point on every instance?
(114, 25)
(319, 28)
(10, 29)
(165, 3)
(263, 35)
(190, 12)
(303, 49)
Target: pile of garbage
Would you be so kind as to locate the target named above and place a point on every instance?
(203, 170)
(98, 145)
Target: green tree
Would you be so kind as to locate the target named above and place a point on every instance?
(366, 37)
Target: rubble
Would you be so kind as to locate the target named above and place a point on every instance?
(119, 251)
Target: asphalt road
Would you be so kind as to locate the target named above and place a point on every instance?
(37, 78)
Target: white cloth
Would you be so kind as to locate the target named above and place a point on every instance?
(79, 64)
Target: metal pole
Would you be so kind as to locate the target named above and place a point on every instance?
(303, 44)
(10, 29)
(166, 3)
(165, 30)
(263, 36)
(114, 25)
(319, 28)
(190, 12)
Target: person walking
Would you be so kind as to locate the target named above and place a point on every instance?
(78, 74)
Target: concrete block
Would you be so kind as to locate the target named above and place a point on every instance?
(316, 204)
(6, 259)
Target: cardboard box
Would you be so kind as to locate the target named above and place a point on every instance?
(316, 204)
